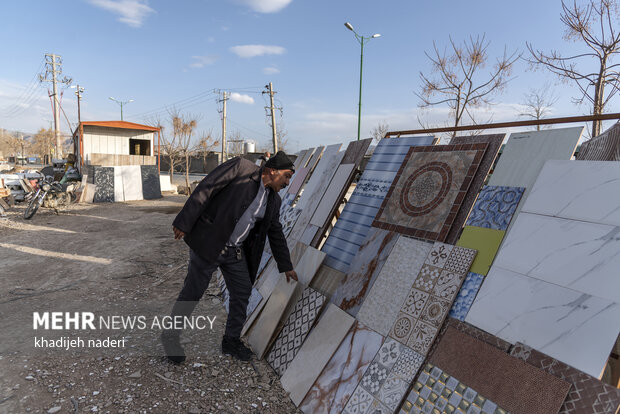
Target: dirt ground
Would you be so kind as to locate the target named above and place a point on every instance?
(114, 257)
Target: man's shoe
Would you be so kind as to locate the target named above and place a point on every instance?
(172, 347)
(235, 348)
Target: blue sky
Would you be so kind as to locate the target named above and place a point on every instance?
(162, 52)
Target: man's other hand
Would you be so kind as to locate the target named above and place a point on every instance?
(178, 234)
(291, 274)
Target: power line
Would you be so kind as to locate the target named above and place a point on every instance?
(23, 101)
(186, 102)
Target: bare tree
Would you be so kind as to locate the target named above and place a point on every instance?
(206, 144)
(235, 143)
(16, 144)
(44, 141)
(169, 143)
(537, 104)
(183, 128)
(379, 131)
(460, 82)
(594, 25)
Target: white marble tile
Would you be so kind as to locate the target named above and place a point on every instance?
(132, 182)
(319, 180)
(307, 157)
(576, 328)
(579, 190)
(381, 306)
(331, 197)
(309, 264)
(315, 158)
(575, 254)
(164, 183)
(535, 147)
(316, 351)
(118, 185)
(308, 234)
(264, 328)
(300, 158)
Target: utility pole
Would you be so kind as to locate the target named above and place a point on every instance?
(53, 67)
(225, 97)
(273, 116)
(78, 92)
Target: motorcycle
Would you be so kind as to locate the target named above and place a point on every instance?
(51, 194)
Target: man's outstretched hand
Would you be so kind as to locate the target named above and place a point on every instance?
(291, 274)
(178, 234)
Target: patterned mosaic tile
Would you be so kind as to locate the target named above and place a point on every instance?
(336, 384)
(494, 143)
(289, 219)
(386, 380)
(295, 330)
(351, 229)
(466, 296)
(364, 270)
(495, 207)
(104, 183)
(431, 295)
(437, 392)
(427, 193)
(587, 394)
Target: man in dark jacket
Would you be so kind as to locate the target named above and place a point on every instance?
(225, 222)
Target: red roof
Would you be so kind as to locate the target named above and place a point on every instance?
(121, 124)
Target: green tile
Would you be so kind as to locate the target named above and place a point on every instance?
(486, 241)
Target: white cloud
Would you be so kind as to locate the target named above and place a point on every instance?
(271, 71)
(211, 39)
(131, 12)
(237, 97)
(202, 61)
(250, 51)
(265, 6)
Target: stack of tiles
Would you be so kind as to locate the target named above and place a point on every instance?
(553, 284)
(354, 223)
(507, 381)
(430, 187)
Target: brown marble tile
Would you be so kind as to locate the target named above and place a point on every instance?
(587, 395)
(356, 151)
(506, 380)
(428, 190)
(494, 143)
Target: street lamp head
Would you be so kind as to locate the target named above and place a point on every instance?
(376, 35)
(349, 26)
(111, 98)
(131, 100)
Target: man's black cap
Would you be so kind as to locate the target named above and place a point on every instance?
(280, 161)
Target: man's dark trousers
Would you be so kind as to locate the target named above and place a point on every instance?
(236, 276)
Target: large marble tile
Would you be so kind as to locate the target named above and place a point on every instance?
(104, 183)
(309, 264)
(298, 180)
(356, 150)
(467, 294)
(295, 330)
(132, 182)
(300, 157)
(495, 207)
(150, 182)
(575, 254)
(315, 158)
(430, 296)
(356, 218)
(316, 352)
(605, 147)
(164, 183)
(578, 190)
(327, 280)
(576, 328)
(587, 395)
(306, 157)
(494, 143)
(333, 388)
(264, 328)
(383, 303)
(333, 195)
(118, 185)
(486, 242)
(364, 270)
(536, 147)
(435, 391)
(387, 378)
(309, 234)
(428, 191)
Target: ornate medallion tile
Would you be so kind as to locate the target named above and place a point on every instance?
(428, 190)
(415, 302)
(422, 337)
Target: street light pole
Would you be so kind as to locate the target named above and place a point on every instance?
(121, 103)
(361, 40)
